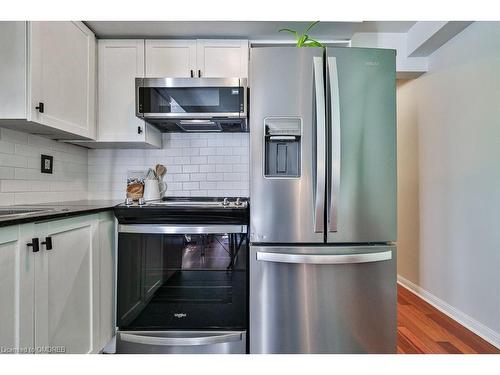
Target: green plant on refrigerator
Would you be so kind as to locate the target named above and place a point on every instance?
(303, 40)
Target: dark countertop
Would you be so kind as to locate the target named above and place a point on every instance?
(60, 210)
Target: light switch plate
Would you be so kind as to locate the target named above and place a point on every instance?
(47, 163)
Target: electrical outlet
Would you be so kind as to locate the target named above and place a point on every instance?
(47, 163)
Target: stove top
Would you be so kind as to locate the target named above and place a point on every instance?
(201, 202)
(194, 210)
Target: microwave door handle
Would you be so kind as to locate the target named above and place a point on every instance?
(324, 258)
(319, 167)
(181, 341)
(333, 84)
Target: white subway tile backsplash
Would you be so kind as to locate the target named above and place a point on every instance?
(215, 177)
(14, 137)
(208, 151)
(198, 160)
(196, 143)
(207, 168)
(9, 160)
(190, 168)
(198, 176)
(190, 151)
(224, 167)
(197, 165)
(190, 186)
(7, 172)
(181, 160)
(181, 177)
(21, 181)
(6, 147)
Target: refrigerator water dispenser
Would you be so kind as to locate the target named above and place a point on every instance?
(282, 139)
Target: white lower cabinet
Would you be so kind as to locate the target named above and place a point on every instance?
(10, 289)
(107, 261)
(59, 298)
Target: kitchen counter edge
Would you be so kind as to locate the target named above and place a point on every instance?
(61, 210)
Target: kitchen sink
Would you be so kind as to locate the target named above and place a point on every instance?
(18, 211)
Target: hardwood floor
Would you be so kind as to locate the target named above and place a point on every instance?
(422, 329)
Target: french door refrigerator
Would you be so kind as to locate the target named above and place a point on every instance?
(323, 200)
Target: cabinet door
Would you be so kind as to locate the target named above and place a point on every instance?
(119, 63)
(170, 58)
(107, 261)
(66, 289)
(16, 291)
(222, 58)
(62, 76)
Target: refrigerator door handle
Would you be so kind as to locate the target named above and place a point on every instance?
(319, 167)
(324, 258)
(333, 84)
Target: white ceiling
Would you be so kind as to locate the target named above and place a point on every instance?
(255, 30)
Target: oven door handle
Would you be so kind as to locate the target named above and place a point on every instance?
(180, 229)
(182, 341)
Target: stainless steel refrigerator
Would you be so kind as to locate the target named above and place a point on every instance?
(323, 200)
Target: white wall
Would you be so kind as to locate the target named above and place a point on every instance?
(408, 181)
(21, 181)
(454, 112)
(197, 165)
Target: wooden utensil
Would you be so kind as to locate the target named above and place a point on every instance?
(160, 170)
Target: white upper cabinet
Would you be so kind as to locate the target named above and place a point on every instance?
(62, 76)
(170, 58)
(120, 62)
(196, 58)
(222, 58)
(51, 88)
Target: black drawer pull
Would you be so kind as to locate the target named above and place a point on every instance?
(47, 243)
(40, 107)
(34, 244)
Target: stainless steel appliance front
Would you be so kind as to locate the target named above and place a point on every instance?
(181, 288)
(288, 83)
(348, 145)
(322, 299)
(191, 102)
(318, 284)
(181, 342)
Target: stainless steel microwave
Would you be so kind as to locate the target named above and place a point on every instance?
(193, 104)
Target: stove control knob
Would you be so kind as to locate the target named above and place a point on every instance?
(238, 202)
(225, 202)
(141, 201)
(129, 201)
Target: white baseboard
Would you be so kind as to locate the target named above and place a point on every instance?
(471, 324)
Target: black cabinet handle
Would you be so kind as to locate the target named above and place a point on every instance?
(192, 73)
(139, 130)
(47, 243)
(40, 107)
(199, 73)
(34, 244)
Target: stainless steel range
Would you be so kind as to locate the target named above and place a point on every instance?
(182, 276)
